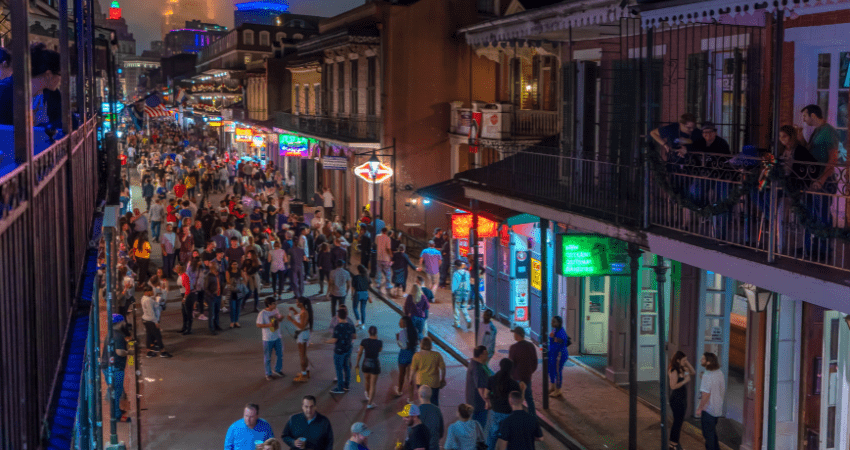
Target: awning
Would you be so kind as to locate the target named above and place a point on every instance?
(522, 219)
(534, 24)
(674, 12)
(451, 193)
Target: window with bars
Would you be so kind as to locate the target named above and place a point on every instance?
(833, 81)
(307, 99)
(327, 81)
(355, 85)
(296, 105)
(317, 97)
(340, 87)
(371, 86)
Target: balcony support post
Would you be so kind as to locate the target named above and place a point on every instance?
(647, 126)
(777, 93)
(634, 256)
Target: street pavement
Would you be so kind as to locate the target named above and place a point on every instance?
(593, 411)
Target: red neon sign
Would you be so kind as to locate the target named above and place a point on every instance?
(461, 223)
(364, 171)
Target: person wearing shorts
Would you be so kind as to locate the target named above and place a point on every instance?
(303, 321)
(370, 349)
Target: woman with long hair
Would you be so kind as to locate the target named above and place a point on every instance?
(187, 244)
(558, 355)
(678, 376)
(416, 306)
(499, 388)
(303, 321)
(251, 268)
(234, 279)
(428, 368)
(142, 253)
(370, 349)
(408, 341)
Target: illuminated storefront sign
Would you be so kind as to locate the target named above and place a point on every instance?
(243, 135)
(258, 141)
(536, 274)
(364, 171)
(585, 255)
(461, 223)
(229, 127)
(293, 146)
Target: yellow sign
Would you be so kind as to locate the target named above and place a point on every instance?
(536, 275)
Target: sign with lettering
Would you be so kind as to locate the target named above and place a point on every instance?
(243, 135)
(536, 274)
(584, 255)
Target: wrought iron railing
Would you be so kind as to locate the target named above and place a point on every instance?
(535, 123)
(347, 128)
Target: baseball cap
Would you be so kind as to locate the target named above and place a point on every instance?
(409, 410)
(360, 428)
(709, 126)
(116, 318)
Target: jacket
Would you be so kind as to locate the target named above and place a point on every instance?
(319, 433)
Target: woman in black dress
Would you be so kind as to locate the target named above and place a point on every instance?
(678, 376)
(370, 349)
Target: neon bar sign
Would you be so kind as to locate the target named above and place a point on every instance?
(592, 255)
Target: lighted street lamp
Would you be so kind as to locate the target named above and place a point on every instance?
(757, 298)
(375, 172)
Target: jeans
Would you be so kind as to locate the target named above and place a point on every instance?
(168, 264)
(323, 275)
(156, 228)
(493, 429)
(679, 405)
(264, 274)
(334, 306)
(276, 346)
(117, 386)
(360, 299)
(298, 281)
(277, 281)
(343, 369)
(200, 302)
(385, 269)
(459, 300)
(529, 398)
(419, 324)
(235, 307)
(819, 207)
(214, 303)
(709, 431)
(188, 307)
(153, 336)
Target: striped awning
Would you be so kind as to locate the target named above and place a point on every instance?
(676, 12)
(529, 25)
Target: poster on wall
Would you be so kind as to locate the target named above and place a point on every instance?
(521, 305)
(536, 274)
(474, 131)
(647, 324)
(647, 301)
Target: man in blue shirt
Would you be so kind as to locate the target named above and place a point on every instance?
(245, 434)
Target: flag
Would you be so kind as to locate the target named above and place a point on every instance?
(154, 108)
(181, 96)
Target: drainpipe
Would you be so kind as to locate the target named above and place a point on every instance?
(774, 369)
(777, 91)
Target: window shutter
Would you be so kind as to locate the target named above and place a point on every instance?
(697, 85)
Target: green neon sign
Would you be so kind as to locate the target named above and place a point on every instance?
(584, 255)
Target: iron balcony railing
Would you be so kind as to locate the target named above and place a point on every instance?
(342, 128)
(720, 197)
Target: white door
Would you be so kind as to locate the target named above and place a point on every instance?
(830, 382)
(715, 307)
(648, 323)
(596, 302)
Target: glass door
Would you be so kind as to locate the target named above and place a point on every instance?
(715, 305)
(828, 380)
(648, 319)
(596, 301)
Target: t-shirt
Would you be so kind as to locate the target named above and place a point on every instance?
(343, 332)
(339, 278)
(234, 254)
(823, 139)
(676, 138)
(371, 347)
(384, 244)
(520, 430)
(719, 146)
(240, 437)
(499, 400)
(351, 445)
(265, 317)
(431, 259)
(476, 378)
(360, 283)
(487, 336)
(328, 200)
(432, 417)
(714, 383)
(524, 355)
(118, 343)
(418, 436)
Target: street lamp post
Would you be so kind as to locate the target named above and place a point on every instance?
(374, 165)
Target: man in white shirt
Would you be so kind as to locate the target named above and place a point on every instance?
(269, 321)
(131, 154)
(712, 392)
(328, 202)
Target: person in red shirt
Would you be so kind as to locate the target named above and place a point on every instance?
(188, 298)
(179, 189)
(171, 215)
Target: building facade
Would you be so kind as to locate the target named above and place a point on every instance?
(192, 38)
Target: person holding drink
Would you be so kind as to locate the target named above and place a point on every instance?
(308, 430)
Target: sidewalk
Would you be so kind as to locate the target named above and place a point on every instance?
(593, 412)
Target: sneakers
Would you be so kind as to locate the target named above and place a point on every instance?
(224, 309)
(337, 391)
(269, 378)
(203, 317)
(151, 354)
(165, 355)
(301, 378)
(280, 374)
(370, 406)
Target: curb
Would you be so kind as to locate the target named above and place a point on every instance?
(559, 434)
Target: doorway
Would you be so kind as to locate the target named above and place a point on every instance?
(595, 301)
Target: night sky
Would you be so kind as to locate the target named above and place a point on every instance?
(144, 16)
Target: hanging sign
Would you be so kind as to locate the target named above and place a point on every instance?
(229, 127)
(335, 163)
(536, 274)
(293, 146)
(461, 223)
(583, 255)
(243, 135)
(258, 141)
(521, 305)
(364, 171)
(474, 131)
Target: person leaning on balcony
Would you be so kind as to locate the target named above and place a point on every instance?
(680, 137)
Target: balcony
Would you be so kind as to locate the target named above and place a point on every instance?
(349, 129)
(501, 121)
(712, 200)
